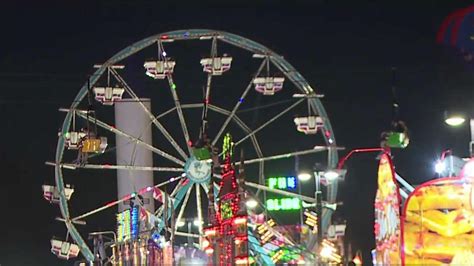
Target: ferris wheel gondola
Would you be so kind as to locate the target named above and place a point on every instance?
(192, 162)
(51, 193)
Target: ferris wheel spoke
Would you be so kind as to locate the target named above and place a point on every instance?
(183, 207)
(241, 125)
(205, 186)
(125, 198)
(316, 149)
(152, 117)
(179, 110)
(199, 208)
(180, 184)
(270, 121)
(179, 194)
(237, 105)
(133, 139)
(186, 234)
(116, 167)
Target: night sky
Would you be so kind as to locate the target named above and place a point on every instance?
(345, 51)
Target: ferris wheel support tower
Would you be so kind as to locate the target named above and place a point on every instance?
(132, 119)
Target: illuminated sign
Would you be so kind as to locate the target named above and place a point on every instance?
(134, 226)
(282, 182)
(226, 210)
(387, 215)
(283, 204)
(128, 225)
(123, 226)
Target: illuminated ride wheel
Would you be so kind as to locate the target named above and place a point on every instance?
(187, 123)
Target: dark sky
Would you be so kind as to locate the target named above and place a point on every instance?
(344, 50)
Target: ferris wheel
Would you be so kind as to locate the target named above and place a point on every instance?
(240, 87)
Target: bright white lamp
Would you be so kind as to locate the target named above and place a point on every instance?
(304, 176)
(251, 203)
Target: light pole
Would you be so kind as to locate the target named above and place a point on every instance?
(330, 175)
(319, 206)
(456, 120)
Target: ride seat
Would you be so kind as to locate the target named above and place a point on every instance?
(159, 69)
(268, 85)
(108, 95)
(309, 124)
(217, 65)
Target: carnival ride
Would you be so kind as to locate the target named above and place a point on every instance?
(196, 167)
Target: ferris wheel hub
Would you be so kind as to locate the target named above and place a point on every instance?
(198, 171)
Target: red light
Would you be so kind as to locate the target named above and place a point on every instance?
(190, 143)
(327, 133)
(164, 37)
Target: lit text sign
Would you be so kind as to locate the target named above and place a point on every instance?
(123, 226)
(282, 203)
(282, 182)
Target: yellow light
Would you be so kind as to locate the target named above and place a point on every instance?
(241, 261)
(240, 220)
(210, 232)
(209, 251)
(357, 260)
(326, 252)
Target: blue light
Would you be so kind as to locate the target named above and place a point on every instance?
(241, 100)
(155, 237)
(291, 182)
(134, 222)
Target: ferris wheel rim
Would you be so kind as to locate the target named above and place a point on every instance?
(288, 70)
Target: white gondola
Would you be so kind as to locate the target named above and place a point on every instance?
(73, 139)
(268, 85)
(108, 95)
(309, 124)
(51, 193)
(64, 250)
(217, 65)
(159, 69)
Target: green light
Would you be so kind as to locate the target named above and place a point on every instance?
(272, 182)
(282, 183)
(283, 204)
(226, 210)
(173, 86)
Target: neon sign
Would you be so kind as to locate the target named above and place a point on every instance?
(282, 182)
(134, 226)
(128, 224)
(123, 226)
(283, 204)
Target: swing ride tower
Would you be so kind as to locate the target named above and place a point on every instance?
(131, 119)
